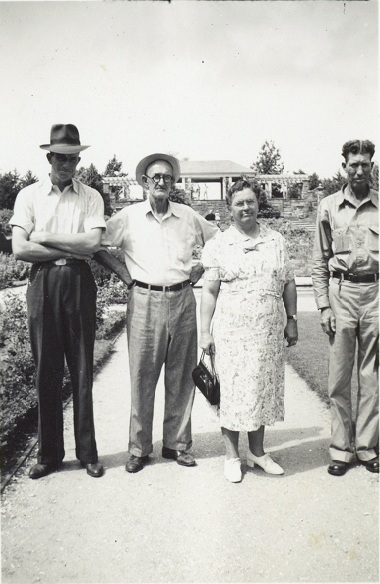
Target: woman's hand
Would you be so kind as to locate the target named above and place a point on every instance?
(206, 342)
(291, 332)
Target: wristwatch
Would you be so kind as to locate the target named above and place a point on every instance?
(291, 317)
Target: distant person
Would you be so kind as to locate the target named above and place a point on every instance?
(158, 237)
(345, 277)
(247, 282)
(57, 224)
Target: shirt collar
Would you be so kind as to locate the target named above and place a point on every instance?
(46, 186)
(345, 194)
(233, 235)
(173, 209)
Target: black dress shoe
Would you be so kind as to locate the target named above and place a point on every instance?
(94, 469)
(135, 463)
(41, 470)
(371, 465)
(180, 456)
(338, 468)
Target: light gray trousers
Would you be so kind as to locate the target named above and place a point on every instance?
(162, 330)
(355, 307)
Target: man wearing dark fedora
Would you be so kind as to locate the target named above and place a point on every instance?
(57, 224)
(158, 237)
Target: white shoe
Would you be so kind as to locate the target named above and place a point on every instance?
(232, 470)
(265, 462)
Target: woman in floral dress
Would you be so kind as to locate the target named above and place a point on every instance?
(247, 283)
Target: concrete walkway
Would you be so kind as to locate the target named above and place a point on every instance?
(174, 524)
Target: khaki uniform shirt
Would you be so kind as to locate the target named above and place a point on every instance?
(346, 239)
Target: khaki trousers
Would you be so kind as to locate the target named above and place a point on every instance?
(355, 307)
(162, 331)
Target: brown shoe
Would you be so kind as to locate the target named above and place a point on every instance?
(180, 456)
(135, 463)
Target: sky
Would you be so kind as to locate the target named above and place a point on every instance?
(204, 80)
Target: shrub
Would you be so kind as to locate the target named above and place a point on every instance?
(12, 270)
(17, 366)
(5, 215)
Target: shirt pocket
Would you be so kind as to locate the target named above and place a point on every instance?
(373, 238)
(341, 241)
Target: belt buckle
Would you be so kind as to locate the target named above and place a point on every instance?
(60, 262)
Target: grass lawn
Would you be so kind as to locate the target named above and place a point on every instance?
(310, 356)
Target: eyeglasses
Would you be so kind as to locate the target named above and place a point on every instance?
(66, 157)
(167, 178)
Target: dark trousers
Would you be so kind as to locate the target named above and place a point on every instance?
(61, 303)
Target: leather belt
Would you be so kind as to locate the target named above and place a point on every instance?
(359, 279)
(173, 288)
(61, 262)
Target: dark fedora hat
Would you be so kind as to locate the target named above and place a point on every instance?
(148, 160)
(64, 139)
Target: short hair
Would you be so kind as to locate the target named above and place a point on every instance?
(358, 147)
(240, 185)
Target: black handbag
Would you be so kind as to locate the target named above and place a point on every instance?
(207, 381)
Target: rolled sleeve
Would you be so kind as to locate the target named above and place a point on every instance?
(115, 232)
(23, 215)
(204, 230)
(322, 252)
(95, 215)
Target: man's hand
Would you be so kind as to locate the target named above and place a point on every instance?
(206, 342)
(291, 333)
(196, 273)
(328, 321)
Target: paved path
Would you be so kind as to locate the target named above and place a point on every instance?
(174, 524)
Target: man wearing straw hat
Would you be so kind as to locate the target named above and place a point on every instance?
(158, 237)
(57, 224)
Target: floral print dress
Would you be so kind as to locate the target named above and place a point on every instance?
(248, 325)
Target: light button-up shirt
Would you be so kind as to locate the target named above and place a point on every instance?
(41, 206)
(158, 251)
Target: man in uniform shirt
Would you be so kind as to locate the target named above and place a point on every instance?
(57, 225)
(158, 237)
(345, 277)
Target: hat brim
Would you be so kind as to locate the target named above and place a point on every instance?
(145, 162)
(63, 148)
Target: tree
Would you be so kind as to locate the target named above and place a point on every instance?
(314, 181)
(334, 184)
(91, 177)
(268, 160)
(113, 168)
(10, 184)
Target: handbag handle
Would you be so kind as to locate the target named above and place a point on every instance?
(211, 361)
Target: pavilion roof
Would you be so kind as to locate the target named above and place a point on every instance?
(212, 169)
